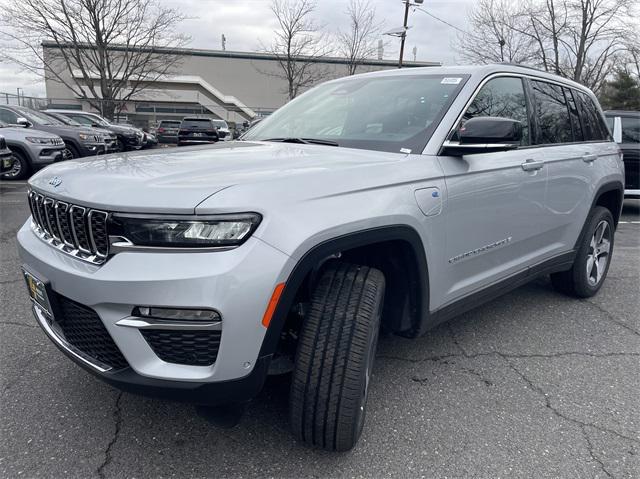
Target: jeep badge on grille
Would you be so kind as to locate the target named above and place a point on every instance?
(55, 181)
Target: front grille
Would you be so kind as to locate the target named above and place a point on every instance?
(193, 348)
(57, 141)
(84, 330)
(76, 230)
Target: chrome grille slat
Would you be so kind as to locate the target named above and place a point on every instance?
(49, 217)
(73, 229)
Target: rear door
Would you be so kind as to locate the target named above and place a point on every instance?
(494, 204)
(572, 135)
(631, 150)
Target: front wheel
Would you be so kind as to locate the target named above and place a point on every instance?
(20, 168)
(593, 258)
(335, 355)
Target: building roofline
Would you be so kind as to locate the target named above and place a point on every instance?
(198, 52)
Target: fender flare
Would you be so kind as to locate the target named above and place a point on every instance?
(357, 239)
(606, 188)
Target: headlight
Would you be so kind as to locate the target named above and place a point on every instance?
(40, 141)
(192, 232)
(90, 138)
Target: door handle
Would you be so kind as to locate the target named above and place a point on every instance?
(589, 158)
(532, 165)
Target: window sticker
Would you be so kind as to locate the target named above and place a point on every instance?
(451, 81)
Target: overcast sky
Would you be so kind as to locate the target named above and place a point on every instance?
(246, 23)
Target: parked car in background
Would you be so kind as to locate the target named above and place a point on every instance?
(223, 130)
(197, 131)
(32, 150)
(78, 142)
(110, 139)
(392, 201)
(150, 140)
(625, 127)
(6, 157)
(129, 138)
(167, 131)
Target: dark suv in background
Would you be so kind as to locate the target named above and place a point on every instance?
(167, 131)
(110, 139)
(79, 142)
(196, 131)
(625, 126)
(129, 137)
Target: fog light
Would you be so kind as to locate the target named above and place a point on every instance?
(176, 314)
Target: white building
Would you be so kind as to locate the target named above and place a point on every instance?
(235, 86)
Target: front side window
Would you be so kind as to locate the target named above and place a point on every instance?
(630, 130)
(8, 116)
(551, 113)
(502, 97)
(386, 113)
(82, 119)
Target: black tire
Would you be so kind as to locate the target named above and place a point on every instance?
(121, 145)
(20, 169)
(334, 358)
(73, 151)
(580, 281)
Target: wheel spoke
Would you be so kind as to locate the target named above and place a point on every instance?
(604, 247)
(590, 265)
(600, 232)
(598, 268)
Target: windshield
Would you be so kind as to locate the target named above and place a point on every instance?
(64, 119)
(93, 119)
(38, 118)
(385, 113)
(220, 124)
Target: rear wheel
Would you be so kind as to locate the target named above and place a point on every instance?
(335, 355)
(593, 258)
(20, 168)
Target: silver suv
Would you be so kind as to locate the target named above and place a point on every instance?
(395, 199)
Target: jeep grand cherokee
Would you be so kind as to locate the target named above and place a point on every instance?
(194, 273)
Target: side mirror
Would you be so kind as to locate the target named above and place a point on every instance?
(23, 121)
(485, 134)
(617, 129)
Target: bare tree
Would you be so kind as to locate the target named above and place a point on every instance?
(494, 34)
(104, 51)
(297, 46)
(360, 41)
(583, 40)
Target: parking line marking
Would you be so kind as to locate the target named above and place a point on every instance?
(630, 222)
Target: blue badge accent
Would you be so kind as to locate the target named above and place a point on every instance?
(435, 194)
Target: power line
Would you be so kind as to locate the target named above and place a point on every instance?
(440, 20)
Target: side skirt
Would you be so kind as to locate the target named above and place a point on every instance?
(556, 264)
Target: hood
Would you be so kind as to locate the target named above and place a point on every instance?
(176, 180)
(19, 133)
(125, 130)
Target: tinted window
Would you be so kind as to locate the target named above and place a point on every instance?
(576, 127)
(396, 113)
(195, 123)
(82, 119)
(169, 124)
(502, 97)
(630, 130)
(594, 126)
(551, 113)
(8, 116)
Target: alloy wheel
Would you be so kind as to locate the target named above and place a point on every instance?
(598, 255)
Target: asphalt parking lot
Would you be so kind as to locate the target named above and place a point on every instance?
(531, 385)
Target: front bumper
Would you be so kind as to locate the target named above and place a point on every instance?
(92, 149)
(238, 283)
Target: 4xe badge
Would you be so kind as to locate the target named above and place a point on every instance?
(55, 181)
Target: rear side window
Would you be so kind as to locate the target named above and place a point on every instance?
(502, 97)
(551, 113)
(195, 123)
(630, 130)
(595, 129)
(574, 116)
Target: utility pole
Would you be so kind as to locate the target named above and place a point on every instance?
(404, 34)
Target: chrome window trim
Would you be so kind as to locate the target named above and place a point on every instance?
(513, 75)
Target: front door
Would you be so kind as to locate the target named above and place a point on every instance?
(495, 201)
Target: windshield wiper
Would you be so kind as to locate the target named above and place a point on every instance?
(305, 141)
